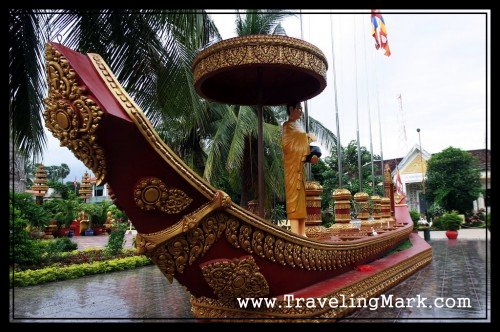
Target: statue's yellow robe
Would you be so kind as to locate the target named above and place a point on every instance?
(295, 149)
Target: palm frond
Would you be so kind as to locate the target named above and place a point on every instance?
(27, 36)
(260, 22)
(325, 136)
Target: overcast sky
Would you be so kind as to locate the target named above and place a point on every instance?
(438, 65)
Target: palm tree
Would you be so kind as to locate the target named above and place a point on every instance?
(150, 52)
(27, 32)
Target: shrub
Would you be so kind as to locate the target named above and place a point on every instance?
(116, 239)
(435, 211)
(62, 244)
(415, 216)
(438, 224)
(277, 213)
(451, 221)
(22, 249)
(35, 277)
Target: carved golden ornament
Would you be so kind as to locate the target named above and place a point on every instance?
(385, 200)
(230, 279)
(313, 185)
(314, 189)
(368, 287)
(146, 128)
(387, 174)
(71, 116)
(173, 248)
(341, 194)
(174, 254)
(361, 197)
(312, 217)
(146, 243)
(317, 232)
(152, 194)
(256, 49)
(311, 202)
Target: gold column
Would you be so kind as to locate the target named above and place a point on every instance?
(385, 207)
(376, 212)
(342, 209)
(362, 200)
(363, 213)
(342, 206)
(389, 191)
(313, 203)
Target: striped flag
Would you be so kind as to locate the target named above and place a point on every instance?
(75, 184)
(379, 32)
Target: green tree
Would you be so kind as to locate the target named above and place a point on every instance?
(150, 49)
(22, 249)
(326, 173)
(63, 172)
(453, 179)
(35, 215)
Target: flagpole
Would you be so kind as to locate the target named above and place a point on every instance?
(357, 110)
(378, 113)
(339, 150)
(306, 111)
(369, 118)
(405, 147)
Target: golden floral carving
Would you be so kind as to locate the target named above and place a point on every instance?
(174, 254)
(235, 278)
(257, 49)
(174, 248)
(152, 194)
(72, 116)
(368, 287)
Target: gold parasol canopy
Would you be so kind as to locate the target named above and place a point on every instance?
(291, 70)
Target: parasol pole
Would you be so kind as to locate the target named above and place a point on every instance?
(339, 148)
(306, 111)
(260, 143)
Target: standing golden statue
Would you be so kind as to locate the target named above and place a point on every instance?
(295, 142)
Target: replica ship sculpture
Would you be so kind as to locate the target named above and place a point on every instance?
(194, 232)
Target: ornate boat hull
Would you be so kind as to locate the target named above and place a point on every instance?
(190, 230)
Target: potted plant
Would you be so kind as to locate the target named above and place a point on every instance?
(451, 222)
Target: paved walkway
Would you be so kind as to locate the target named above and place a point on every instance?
(458, 270)
(100, 241)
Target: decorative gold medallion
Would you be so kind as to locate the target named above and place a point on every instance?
(152, 194)
(235, 278)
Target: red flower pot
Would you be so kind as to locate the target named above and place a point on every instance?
(452, 235)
